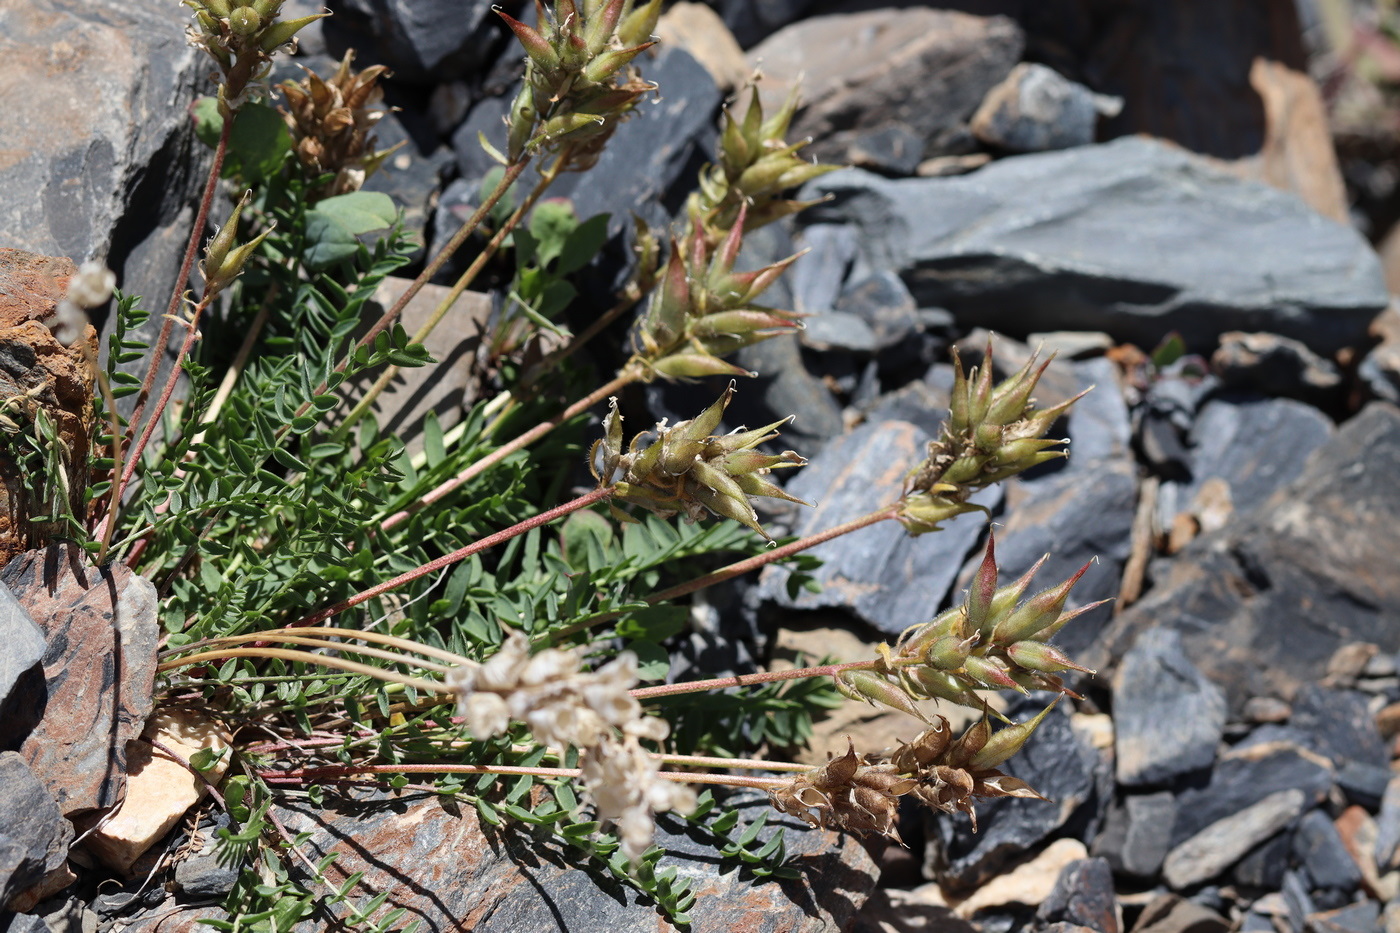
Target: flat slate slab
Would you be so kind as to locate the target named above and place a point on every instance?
(1134, 237)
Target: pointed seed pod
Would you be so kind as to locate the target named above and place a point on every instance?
(1038, 656)
(875, 689)
(984, 586)
(1040, 611)
(970, 743)
(280, 33)
(989, 673)
(1007, 742)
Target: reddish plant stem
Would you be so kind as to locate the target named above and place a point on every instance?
(510, 447)
(133, 455)
(735, 569)
(778, 553)
(747, 680)
(181, 281)
(447, 560)
(462, 284)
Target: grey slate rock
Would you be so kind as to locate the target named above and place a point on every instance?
(1276, 366)
(1168, 718)
(1240, 780)
(1133, 237)
(1035, 109)
(422, 41)
(1217, 846)
(879, 573)
(1075, 516)
(26, 923)
(1055, 761)
(1298, 899)
(893, 149)
(922, 71)
(1137, 834)
(1319, 849)
(1363, 784)
(204, 874)
(1379, 372)
(920, 403)
(884, 302)
(1264, 602)
(1083, 895)
(1263, 867)
(34, 837)
(1252, 446)
(1341, 723)
(752, 21)
(21, 677)
(104, 164)
(449, 872)
(839, 330)
(816, 278)
(1388, 827)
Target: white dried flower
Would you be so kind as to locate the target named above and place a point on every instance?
(591, 711)
(90, 287)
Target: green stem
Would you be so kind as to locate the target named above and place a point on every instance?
(288, 654)
(626, 377)
(447, 560)
(323, 631)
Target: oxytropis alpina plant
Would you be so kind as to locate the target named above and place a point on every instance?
(263, 517)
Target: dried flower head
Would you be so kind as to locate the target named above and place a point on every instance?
(688, 469)
(592, 711)
(859, 793)
(332, 121)
(991, 434)
(848, 793)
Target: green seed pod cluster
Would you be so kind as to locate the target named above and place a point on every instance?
(241, 35)
(703, 310)
(992, 433)
(688, 469)
(995, 640)
(576, 91)
(755, 166)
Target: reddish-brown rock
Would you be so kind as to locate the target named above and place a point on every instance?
(99, 668)
(40, 378)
